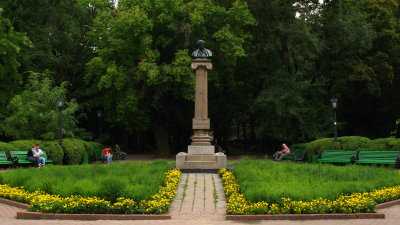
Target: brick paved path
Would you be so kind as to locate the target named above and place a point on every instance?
(199, 195)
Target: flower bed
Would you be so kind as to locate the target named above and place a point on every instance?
(40, 201)
(354, 203)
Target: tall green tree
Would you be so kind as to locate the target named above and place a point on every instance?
(141, 72)
(34, 113)
(11, 43)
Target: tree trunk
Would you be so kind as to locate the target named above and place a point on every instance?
(161, 136)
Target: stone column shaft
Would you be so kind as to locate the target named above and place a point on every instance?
(201, 122)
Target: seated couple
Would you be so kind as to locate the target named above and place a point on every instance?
(34, 155)
(107, 153)
(280, 154)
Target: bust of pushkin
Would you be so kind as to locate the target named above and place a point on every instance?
(201, 52)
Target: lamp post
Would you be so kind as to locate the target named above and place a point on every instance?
(99, 115)
(60, 105)
(334, 102)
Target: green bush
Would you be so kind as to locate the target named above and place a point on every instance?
(90, 146)
(353, 143)
(54, 151)
(25, 145)
(73, 151)
(52, 148)
(7, 148)
(316, 147)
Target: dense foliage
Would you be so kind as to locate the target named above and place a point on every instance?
(276, 64)
(71, 153)
(352, 143)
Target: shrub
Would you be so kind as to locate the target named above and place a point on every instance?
(52, 148)
(316, 147)
(90, 146)
(7, 147)
(73, 151)
(353, 143)
(54, 151)
(394, 144)
(24, 145)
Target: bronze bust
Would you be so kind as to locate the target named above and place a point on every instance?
(201, 52)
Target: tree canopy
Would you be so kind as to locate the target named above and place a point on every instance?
(276, 64)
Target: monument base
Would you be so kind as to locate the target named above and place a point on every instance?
(200, 161)
(201, 149)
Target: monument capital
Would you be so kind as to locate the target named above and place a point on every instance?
(201, 63)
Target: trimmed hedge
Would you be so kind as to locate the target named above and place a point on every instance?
(7, 147)
(71, 154)
(354, 143)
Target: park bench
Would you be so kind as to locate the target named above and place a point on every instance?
(337, 156)
(20, 157)
(99, 156)
(378, 157)
(296, 154)
(4, 160)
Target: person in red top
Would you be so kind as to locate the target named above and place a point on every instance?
(280, 154)
(107, 153)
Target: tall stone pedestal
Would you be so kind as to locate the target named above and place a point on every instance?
(201, 154)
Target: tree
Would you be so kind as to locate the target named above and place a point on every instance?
(11, 43)
(34, 114)
(141, 71)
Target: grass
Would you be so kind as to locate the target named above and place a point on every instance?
(262, 180)
(215, 193)
(135, 180)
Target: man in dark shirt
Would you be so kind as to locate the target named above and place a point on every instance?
(33, 158)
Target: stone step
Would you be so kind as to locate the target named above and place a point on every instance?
(200, 164)
(201, 158)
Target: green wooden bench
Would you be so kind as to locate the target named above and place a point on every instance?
(4, 160)
(99, 156)
(296, 154)
(337, 156)
(46, 157)
(20, 157)
(378, 157)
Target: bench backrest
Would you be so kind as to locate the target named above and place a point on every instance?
(3, 156)
(97, 152)
(379, 154)
(21, 155)
(337, 154)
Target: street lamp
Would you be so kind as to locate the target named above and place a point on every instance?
(99, 115)
(334, 102)
(60, 105)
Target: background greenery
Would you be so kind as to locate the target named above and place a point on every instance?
(352, 143)
(262, 180)
(138, 181)
(72, 152)
(276, 65)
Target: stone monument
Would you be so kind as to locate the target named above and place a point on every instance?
(201, 154)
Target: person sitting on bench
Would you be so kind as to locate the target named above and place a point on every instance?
(33, 158)
(280, 154)
(107, 154)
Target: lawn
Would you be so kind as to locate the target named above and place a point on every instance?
(262, 180)
(134, 180)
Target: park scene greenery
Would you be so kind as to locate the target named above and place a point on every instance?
(123, 68)
(95, 189)
(294, 193)
(276, 64)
